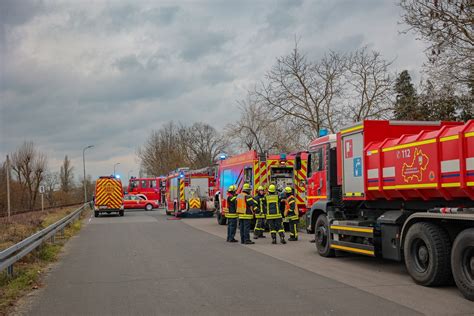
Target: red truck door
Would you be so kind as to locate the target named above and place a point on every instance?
(317, 184)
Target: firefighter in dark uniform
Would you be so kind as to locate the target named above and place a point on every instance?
(246, 208)
(231, 214)
(260, 214)
(291, 212)
(273, 214)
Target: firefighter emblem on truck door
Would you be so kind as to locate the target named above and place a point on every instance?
(415, 169)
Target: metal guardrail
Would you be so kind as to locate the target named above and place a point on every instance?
(14, 253)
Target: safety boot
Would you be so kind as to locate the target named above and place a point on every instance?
(292, 239)
(274, 240)
(282, 240)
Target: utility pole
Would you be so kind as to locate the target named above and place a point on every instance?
(8, 187)
(84, 165)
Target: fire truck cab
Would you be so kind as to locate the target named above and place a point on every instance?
(152, 188)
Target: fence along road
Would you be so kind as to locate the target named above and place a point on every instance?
(14, 253)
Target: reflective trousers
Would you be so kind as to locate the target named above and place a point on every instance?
(294, 228)
(245, 225)
(276, 227)
(231, 228)
(259, 227)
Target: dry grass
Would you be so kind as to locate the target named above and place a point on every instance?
(24, 225)
(27, 272)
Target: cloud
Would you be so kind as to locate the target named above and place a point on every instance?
(106, 73)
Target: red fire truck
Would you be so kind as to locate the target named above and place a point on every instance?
(398, 190)
(190, 192)
(260, 170)
(152, 188)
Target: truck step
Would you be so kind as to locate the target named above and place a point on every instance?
(353, 247)
(351, 230)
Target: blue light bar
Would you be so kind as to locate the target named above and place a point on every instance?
(323, 132)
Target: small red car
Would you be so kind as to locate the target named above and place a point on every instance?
(134, 201)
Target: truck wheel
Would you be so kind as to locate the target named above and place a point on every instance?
(462, 262)
(322, 237)
(121, 213)
(221, 220)
(427, 249)
(148, 207)
(96, 213)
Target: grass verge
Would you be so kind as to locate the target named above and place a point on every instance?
(27, 272)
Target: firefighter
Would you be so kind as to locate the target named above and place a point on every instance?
(291, 212)
(273, 214)
(246, 208)
(260, 214)
(231, 214)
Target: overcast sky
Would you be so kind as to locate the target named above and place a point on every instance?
(78, 73)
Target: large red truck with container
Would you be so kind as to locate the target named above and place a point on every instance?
(152, 188)
(260, 170)
(190, 192)
(397, 190)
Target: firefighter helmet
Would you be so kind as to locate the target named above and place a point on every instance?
(272, 188)
(288, 190)
(246, 187)
(231, 188)
(260, 188)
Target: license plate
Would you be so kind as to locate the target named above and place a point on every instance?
(102, 207)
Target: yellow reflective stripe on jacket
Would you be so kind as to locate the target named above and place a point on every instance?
(273, 200)
(293, 217)
(231, 215)
(245, 216)
(273, 216)
(259, 215)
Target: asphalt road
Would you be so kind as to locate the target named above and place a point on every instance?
(144, 264)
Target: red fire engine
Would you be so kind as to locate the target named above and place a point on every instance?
(190, 192)
(398, 190)
(260, 170)
(152, 188)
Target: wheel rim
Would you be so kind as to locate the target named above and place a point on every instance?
(467, 263)
(420, 253)
(322, 236)
(148, 207)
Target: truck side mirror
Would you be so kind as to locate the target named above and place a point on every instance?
(298, 162)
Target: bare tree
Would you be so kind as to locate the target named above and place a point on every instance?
(203, 143)
(161, 151)
(370, 85)
(256, 130)
(66, 175)
(29, 165)
(448, 28)
(51, 181)
(304, 90)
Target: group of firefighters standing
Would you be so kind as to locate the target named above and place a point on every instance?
(267, 208)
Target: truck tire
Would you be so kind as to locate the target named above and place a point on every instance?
(427, 250)
(462, 262)
(96, 213)
(148, 207)
(121, 213)
(221, 220)
(322, 237)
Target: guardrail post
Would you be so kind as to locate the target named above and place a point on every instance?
(10, 270)
(52, 238)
